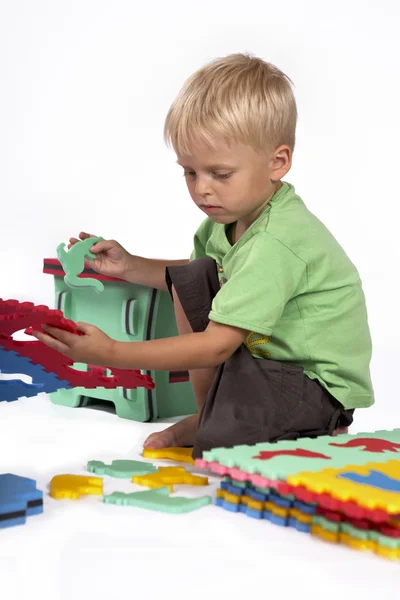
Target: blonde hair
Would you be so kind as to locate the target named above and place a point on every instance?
(240, 98)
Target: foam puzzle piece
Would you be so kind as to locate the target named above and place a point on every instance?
(158, 500)
(42, 381)
(73, 263)
(373, 486)
(168, 477)
(270, 464)
(349, 508)
(12, 389)
(392, 553)
(177, 454)
(15, 316)
(72, 487)
(19, 498)
(121, 468)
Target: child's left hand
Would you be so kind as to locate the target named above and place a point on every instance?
(94, 347)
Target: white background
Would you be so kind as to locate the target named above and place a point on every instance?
(85, 87)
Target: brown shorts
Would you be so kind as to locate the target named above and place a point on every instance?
(251, 400)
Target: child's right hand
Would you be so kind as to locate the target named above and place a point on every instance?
(111, 258)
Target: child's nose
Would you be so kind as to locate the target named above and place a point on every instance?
(202, 187)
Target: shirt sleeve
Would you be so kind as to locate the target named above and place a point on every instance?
(200, 240)
(265, 275)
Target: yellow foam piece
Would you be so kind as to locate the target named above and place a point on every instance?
(73, 487)
(232, 498)
(279, 511)
(254, 504)
(228, 497)
(356, 543)
(169, 476)
(368, 496)
(324, 534)
(300, 516)
(392, 553)
(177, 454)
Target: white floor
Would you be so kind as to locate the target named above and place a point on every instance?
(89, 550)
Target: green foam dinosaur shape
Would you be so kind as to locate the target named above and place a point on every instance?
(121, 468)
(73, 263)
(158, 500)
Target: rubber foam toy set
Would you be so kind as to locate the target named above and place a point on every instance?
(343, 489)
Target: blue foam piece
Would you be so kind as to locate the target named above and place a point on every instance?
(256, 495)
(19, 498)
(232, 489)
(11, 362)
(253, 513)
(281, 521)
(308, 509)
(12, 389)
(229, 506)
(280, 501)
(299, 526)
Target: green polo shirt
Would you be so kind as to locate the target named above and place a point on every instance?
(291, 285)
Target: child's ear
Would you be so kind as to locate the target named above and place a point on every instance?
(281, 162)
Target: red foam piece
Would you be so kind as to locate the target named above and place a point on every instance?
(350, 509)
(370, 445)
(303, 453)
(15, 316)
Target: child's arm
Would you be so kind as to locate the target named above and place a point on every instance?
(208, 348)
(150, 272)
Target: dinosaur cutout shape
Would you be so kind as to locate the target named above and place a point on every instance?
(177, 454)
(73, 263)
(375, 479)
(168, 476)
(157, 500)
(370, 445)
(121, 468)
(72, 487)
(301, 452)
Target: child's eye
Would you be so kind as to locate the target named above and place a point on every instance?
(222, 175)
(189, 174)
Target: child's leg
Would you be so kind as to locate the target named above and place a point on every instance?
(183, 433)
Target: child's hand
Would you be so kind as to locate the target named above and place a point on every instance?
(111, 258)
(94, 347)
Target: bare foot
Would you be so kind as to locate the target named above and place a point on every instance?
(178, 435)
(341, 430)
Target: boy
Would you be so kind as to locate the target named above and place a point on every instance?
(270, 310)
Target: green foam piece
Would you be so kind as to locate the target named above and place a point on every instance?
(121, 468)
(241, 484)
(158, 500)
(359, 534)
(278, 460)
(326, 524)
(384, 540)
(73, 263)
(355, 532)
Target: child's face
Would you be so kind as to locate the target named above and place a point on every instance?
(233, 183)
